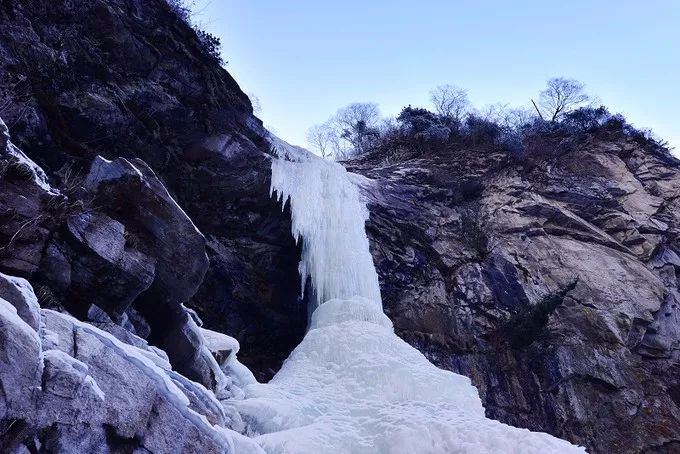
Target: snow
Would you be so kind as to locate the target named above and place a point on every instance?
(220, 342)
(38, 174)
(353, 386)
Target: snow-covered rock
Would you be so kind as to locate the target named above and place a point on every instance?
(93, 391)
(19, 293)
(20, 364)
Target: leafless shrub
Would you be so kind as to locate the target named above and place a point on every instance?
(450, 101)
(47, 299)
(473, 225)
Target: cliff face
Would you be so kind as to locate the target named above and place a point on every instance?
(552, 284)
(128, 79)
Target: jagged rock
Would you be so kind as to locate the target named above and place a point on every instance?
(126, 334)
(143, 87)
(133, 193)
(19, 293)
(75, 388)
(70, 393)
(25, 218)
(103, 269)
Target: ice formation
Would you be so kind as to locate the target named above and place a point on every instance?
(352, 386)
(328, 217)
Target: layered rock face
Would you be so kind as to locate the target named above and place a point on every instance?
(473, 248)
(114, 78)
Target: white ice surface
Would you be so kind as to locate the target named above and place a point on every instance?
(220, 342)
(328, 214)
(352, 385)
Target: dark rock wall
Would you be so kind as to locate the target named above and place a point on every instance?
(121, 78)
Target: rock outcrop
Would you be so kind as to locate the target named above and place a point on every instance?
(552, 285)
(141, 86)
(71, 387)
(138, 272)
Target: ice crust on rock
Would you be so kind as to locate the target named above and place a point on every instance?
(352, 385)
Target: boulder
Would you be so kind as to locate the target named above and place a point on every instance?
(21, 365)
(104, 269)
(19, 293)
(134, 195)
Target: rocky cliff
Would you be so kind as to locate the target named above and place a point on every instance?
(130, 79)
(135, 201)
(552, 284)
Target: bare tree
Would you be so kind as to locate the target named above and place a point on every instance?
(358, 125)
(506, 116)
(322, 138)
(450, 101)
(560, 97)
(517, 117)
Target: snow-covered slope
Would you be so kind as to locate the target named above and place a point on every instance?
(353, 386)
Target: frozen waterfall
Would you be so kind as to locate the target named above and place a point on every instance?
(328, 217)
(352, 385)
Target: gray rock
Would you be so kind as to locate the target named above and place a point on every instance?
(19, 293)
(165, 232)
(20, 365)
(70, 395)
(168, 103)
(98, 390)
(25, 197)
(97, 250)
(602, 371)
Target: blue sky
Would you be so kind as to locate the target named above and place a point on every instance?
(305, 59)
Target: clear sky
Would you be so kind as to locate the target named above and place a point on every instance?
(304, 59)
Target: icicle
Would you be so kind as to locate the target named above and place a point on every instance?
(329, 216)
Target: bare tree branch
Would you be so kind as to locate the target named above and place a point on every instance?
(450, 101)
